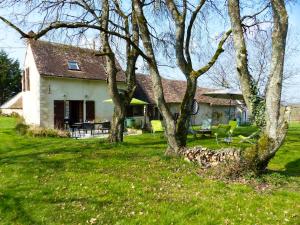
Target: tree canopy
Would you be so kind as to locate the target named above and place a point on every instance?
(10, 77)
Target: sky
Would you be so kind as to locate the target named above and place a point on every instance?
(11, 43)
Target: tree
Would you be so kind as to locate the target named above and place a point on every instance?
(183, 37)
(10, 77)
(255, 158)
(176, 130)
(258, 156)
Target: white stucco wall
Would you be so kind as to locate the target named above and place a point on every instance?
(204, 113)
(55, 88)
(11, 111)
(31, 99)
(220, 114)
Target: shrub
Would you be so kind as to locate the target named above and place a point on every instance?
(21, 127)
(35, 131)
(14, 114)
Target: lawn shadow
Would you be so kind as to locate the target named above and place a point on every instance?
(13, 205)
(10, 204)
(292, 169)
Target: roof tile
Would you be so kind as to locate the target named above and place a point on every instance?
(52, 60)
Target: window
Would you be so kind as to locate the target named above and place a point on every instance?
(73, 65)
(136, 110)
(26, 80)
(23, 81)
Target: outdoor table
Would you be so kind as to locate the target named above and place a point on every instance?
(74, 127)
(103, 126)
(88, 126)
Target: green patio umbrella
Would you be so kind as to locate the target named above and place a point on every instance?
(134, 101)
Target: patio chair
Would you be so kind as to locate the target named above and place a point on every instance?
(233, 125)
(206, 124)
(156, 126)
(223, 131)
(251, 139)
(205, 127)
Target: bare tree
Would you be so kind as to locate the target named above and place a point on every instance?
(274, 133)
(176, 130)
(183, 34)
(255, 158)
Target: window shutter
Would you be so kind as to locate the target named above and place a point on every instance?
(23, 81)
(27, 79)
(90, 110)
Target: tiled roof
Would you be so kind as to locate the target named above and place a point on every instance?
(174, 92)
(52, 60)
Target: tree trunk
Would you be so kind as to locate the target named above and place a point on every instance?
(116, 134)
(117, 128)
(257, 157)
(183, 122)
(169, 122)
(241, 54)
(276, 122)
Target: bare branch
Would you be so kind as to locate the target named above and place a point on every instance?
(189, 30)
(74, 25)
(214, 57)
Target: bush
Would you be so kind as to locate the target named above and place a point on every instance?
(21, 127)
(34, 131)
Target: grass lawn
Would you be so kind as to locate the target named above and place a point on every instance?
(66, 181)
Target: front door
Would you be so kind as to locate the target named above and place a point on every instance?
(76, 111)
(59, 114)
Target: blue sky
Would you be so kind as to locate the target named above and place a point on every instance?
(11, 43)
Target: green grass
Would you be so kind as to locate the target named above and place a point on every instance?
(66, 181)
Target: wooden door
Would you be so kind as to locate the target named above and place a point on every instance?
(59, 114)
(90, 110)
(76, 111)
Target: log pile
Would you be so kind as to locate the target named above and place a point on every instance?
(209, 158)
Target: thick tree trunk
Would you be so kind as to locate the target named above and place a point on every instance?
(169, 122)
(184, 61)
(111, 69)
(117, 128)
(257, 157)
(120, 100)
(183, 122)
(245, 77)
(274, 88)
(276, 122)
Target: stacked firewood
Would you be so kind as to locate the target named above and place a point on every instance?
(209, 158)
